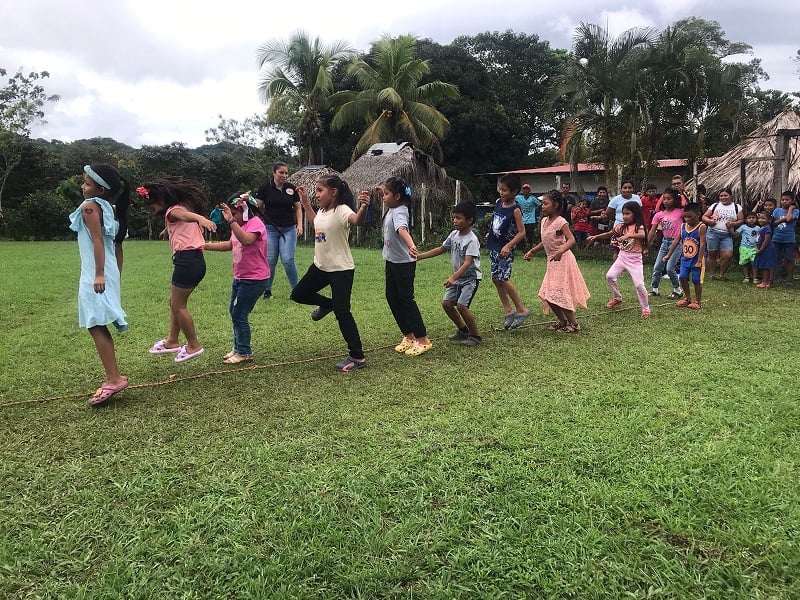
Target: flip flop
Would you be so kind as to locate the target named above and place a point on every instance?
(183, 355)
(160, 348)
(106, 391)
(237, 358)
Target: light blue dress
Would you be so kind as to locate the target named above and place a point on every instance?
(98, 309)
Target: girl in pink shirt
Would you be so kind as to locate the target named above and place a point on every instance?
(248, 245)
(181, 202)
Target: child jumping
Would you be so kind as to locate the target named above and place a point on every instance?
(99, 286)
(692, 241)
(631, 237)
(563, 287)
(747, 245)
(669, 219)
(182, 203)
(461, 286)
(400, 253)
(248, 247)
(333, 262)
(506, 231)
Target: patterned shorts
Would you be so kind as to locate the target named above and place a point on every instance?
(501, 267)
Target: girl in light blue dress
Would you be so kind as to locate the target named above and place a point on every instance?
(99, 287)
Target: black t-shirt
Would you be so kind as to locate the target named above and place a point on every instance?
(279, 203)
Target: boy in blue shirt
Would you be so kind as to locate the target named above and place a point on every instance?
(747, 245)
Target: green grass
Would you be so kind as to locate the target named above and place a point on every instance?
(653, 458)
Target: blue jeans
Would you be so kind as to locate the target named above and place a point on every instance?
(244, 295)
(283, 247)
(658, 267)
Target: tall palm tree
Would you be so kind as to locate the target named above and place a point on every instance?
(601, 87)
(297, 84)
(391, 101)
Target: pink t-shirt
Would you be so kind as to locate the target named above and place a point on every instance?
(183, 235)
(629, 245)
(670, 222)
(250, 262)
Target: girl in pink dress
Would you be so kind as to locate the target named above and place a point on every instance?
(563, 287)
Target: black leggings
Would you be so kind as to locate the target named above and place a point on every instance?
(307, 292)
(400, 296)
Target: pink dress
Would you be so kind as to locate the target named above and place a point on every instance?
(563, 283)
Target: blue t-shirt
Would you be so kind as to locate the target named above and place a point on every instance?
(503, 227)
(617, 202)
(748, 235)
(784, 233)
(528, 207)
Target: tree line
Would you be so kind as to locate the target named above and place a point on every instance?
(483, 103)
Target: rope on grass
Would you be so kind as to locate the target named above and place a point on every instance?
(175, 379)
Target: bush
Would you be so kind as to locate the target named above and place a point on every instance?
(40, 216)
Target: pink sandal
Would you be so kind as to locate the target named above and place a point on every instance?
(160, 348)
(106, 391)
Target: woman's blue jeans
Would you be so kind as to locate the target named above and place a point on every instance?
(244, 295)
(283, 247)
(660, 265)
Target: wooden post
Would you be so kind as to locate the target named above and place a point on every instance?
(422, 214)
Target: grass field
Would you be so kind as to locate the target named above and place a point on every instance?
(641, 458)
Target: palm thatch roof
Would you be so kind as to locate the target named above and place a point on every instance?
(307, 177)
(416, 167)
(726, 171)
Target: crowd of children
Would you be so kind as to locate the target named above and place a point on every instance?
(689, 235)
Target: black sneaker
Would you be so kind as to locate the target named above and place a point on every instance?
(471, 341)
(350, 364)
(458, 336)
(268, 295)
(320, 312)
(653, 293)
(675, 296)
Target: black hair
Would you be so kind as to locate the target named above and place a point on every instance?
(467, 209)
(700, 188)
(693, 207)
(650, 186)
(602, 187)
(624, 181)
(726, 189)
(751, 214)
(512, 181)
(398, 185)
(789, 194)
(767, 216)
(172, 191)
(119, 196)
(638, 217)
(556, 197)
(343, 195)
(771, 199)
(676, 197)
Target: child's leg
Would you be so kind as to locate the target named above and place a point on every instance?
(612, 276)
(178, 298)
(512, 293)
(769, 276)
(341, 288)
(636, 269)
(698, 292)
(469, 319)
(659, 266)
(455, 316)
(104, 344)
(246, 295)
(307, 289)
(687, 294)
(393, 293)
(559, 312)
(502, 293)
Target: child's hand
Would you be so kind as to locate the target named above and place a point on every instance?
(206, 224)
(226, 212)
(99, 284)
(363, 198)
(666, 258)
(412, 251)
(527, 255)
(449, 282)
(301, 191)
(590, 239)
(505, 251)
(556, 256)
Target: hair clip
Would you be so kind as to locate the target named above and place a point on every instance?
(143, 192)
(408, 191)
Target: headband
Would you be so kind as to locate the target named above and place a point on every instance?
(243, 201)
(97, 179)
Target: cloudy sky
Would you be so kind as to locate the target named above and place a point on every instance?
(159, 71)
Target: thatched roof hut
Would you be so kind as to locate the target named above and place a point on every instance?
(307, 177)
(761, 143)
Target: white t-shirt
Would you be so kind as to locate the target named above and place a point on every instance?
(617, 202)
(331, 239)
(723, 214)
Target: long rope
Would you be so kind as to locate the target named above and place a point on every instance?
(175, 379)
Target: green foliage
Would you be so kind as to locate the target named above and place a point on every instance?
(40, 216)
(392, 99)
(637, 459)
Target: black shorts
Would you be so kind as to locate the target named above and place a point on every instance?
(190, 268)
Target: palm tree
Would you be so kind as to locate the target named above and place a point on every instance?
(601, 87)
(297, 84)
(392, 103)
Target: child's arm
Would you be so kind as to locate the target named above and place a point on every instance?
(537, 248)
(245, 237)
(568, 243)
(187, 216)
(91, 213)
(652, 234)
(298, 216)
(307, 208)
(408, 241)
(218, 246)
(600, 236)
(702, 234)
(764, 243)
(431, 253)
(459, 271)
(357, 218)
(506, 250)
